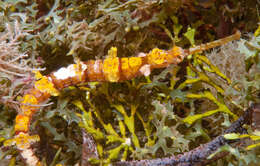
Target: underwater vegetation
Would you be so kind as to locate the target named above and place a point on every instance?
(118, 81)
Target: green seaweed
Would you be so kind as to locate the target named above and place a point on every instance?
(167, 113)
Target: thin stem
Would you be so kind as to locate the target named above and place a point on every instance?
(214, 44)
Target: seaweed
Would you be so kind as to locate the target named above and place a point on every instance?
(168, 112)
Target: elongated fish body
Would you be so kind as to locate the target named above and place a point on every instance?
(111, 69)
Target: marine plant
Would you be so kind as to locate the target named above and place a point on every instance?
(163, 113)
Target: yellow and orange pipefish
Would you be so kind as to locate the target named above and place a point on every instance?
(111, 69)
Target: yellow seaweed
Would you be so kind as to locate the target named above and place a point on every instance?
(208, 95)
